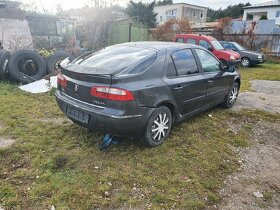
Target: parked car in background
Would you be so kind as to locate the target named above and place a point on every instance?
(248, 57)
(141, 89)
(227, 57)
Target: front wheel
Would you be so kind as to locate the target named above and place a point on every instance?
(232, 96)
(245, 62)
(158, 128)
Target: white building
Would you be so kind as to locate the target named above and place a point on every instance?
(270, 9)
(195, 14)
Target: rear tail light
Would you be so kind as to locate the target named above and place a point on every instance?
(61, 80)
(110, 93)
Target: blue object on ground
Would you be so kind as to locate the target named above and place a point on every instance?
(108, 140)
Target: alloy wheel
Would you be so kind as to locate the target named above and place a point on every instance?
(233, 95)
(160, 127)
(245, 62)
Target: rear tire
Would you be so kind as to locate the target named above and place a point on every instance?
(158, 128)
(232, 96)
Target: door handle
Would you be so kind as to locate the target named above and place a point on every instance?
(179, 88)
(210, 82)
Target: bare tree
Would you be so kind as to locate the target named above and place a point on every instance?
(17, 42)
(167, 31)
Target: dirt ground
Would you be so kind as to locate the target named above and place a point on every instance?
(256, 185)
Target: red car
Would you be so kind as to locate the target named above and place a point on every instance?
(227, 57)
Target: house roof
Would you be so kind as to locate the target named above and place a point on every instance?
(265, 4)
(185, 4)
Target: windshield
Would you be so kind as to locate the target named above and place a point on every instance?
(115, 59)
(217, 45)
(239, 47)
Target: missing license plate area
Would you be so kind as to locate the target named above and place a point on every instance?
(77, 115)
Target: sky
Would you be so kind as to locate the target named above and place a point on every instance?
(51, 5)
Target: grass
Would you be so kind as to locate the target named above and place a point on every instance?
(59, 163)
(268, 71)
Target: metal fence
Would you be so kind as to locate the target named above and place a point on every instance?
(126, 32)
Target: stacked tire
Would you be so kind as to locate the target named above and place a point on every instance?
(4, 59)
(27, 66)
(54, 60)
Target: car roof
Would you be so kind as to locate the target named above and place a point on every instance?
(227, 42)
(210, 38)
(159, 46)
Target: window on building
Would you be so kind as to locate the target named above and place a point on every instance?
(201, 15)
(185, 62)
(278, 13)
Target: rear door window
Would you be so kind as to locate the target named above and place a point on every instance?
(171, 71)
(185, 63)
(191, 41)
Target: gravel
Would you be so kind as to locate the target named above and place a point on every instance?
(266, 97)
(256, 184)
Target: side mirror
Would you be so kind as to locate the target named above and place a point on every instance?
(223, 67)
(228, 68)
(210, 49)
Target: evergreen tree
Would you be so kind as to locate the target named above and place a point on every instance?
(233, 11)
(143, 13)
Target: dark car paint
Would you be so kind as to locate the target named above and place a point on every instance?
(150, 88)
(252, 55)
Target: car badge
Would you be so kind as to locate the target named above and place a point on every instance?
(76, 88)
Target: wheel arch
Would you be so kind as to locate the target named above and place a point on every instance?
(172, 107)
(238, 81)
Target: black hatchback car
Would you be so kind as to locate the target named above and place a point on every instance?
(140, 89)
(248, 57)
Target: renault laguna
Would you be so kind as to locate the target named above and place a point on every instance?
(141, 89)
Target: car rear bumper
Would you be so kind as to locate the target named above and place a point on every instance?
(104, 119)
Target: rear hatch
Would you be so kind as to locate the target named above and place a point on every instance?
(97, 70)
(79, 86)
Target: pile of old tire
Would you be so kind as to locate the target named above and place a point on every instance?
(54, 60)
(4, 59)
(27, 66)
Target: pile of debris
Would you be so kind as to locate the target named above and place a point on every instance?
(26, 66)
(29, 67)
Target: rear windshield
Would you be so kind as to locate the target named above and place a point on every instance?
(115, 59)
